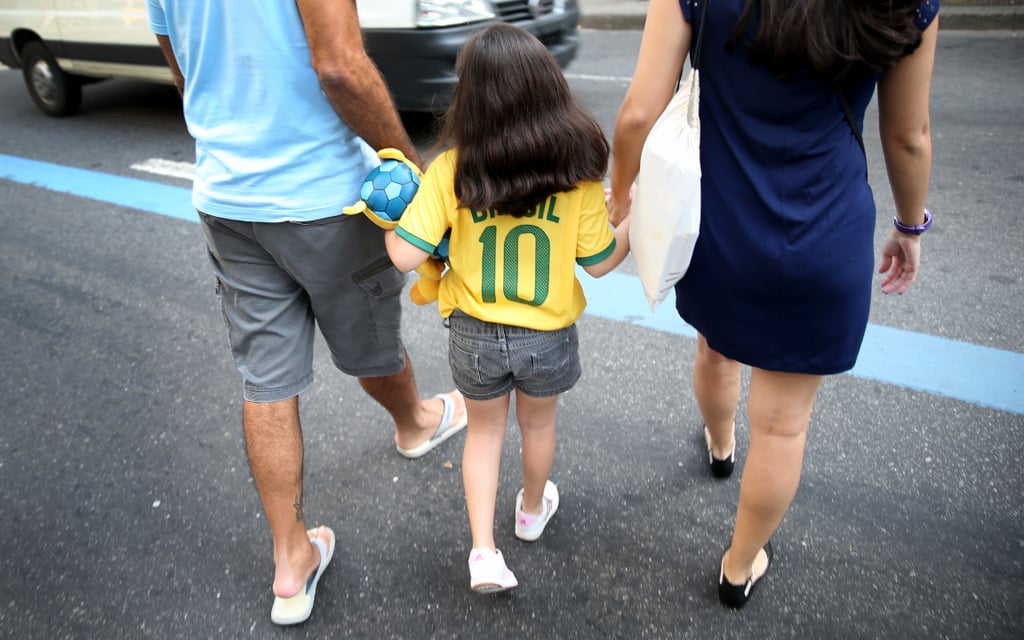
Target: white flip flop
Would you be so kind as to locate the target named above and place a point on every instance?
(446, 429)
(296, 609)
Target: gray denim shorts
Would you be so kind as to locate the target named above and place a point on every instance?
(490, 360)
(277, 281)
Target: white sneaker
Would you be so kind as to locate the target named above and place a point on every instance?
(488, 573)
(529, 526)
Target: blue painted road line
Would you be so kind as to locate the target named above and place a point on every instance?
(154, 197)
(960, 370)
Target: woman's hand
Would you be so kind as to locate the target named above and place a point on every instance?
(619, 207)
(901, 261)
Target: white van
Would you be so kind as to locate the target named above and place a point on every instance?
(61, 45)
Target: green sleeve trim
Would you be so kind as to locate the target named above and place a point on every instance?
(414, 241)
(594, 259)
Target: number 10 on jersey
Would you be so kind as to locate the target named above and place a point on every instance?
(519, 245)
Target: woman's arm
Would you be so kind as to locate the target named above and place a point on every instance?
(904, 127)
(663, 49)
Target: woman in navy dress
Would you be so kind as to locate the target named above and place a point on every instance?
(781, 274)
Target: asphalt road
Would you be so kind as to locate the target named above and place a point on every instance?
(127, 509)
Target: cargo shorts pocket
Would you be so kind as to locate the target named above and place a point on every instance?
(381, 285)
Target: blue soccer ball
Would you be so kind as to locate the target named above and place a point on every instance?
(389, 189)
(441, 251)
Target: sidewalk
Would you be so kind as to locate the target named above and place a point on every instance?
(964, 15)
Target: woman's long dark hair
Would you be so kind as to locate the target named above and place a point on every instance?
(834, 38)
(519, 131)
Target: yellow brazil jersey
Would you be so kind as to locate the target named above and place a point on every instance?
(513, 271)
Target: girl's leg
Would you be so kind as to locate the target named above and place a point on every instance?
(481, 459)
(536, 418)
(779, 407)
(716, 383)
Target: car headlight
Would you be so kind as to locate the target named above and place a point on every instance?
(443, 13)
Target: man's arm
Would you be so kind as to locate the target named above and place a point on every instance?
(172, 62)
(348, 76)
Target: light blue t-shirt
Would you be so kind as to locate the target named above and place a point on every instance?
(269, 146)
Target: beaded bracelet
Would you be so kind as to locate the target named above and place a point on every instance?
(916, 229)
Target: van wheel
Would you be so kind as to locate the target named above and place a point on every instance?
(55, 92)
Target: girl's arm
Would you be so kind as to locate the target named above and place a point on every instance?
(404, 255)
(617, 255)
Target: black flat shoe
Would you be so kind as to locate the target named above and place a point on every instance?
(735, 596)
(721, 468)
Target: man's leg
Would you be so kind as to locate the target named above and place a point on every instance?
(355, 294)
(271, 334)
(416, 419)
(273, 438)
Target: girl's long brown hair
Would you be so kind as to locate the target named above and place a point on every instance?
(519, 132)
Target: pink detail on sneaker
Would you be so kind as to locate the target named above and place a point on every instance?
(488, 573)
(530, 526)
(526, 519)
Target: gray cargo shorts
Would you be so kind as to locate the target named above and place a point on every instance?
(276, 281)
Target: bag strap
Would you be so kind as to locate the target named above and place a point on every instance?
(849, 118)
(700, 36)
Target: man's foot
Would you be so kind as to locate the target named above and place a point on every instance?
(447, 416)
(297, 607)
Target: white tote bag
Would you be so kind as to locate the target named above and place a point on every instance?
(666, 207)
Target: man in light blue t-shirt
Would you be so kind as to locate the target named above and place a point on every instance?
(287, 110)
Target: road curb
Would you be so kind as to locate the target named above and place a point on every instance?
(1001, 18)
(613, 21)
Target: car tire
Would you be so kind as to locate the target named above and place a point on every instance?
(55, 92)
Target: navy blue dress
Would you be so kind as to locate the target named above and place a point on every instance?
(781, 274)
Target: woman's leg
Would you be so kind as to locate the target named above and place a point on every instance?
(481, 460)
(536, 418)
(779, 407)
(716, 383)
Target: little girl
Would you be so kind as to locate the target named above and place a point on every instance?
(520, 189)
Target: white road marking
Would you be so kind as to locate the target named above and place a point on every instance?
(587, 76)
(161, 167)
